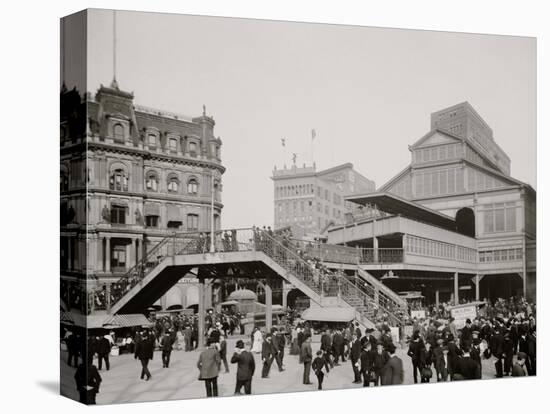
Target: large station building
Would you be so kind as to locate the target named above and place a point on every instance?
(454, 223)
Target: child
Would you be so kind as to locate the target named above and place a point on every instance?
(318, 363)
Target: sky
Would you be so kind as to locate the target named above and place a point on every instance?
(367, 92)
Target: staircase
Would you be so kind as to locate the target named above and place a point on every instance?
(160, 262)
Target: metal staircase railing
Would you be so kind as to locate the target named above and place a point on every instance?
(320, 280)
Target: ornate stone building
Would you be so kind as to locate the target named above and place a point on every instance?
(130, 176)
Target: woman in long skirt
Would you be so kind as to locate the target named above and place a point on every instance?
(257, 341)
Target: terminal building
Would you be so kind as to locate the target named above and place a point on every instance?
(130, 176)
(309, 201)
(453, 224)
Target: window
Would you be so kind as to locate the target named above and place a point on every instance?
(118, 180)
(193, 149)
(118, 257)
(499, 217)
(173, 144)
(192, 222)
(152, 140)
(64, 182)
(152, 221)
(173, 185)
(118, 215)
(192, 186)
(152, 181)
(118, 133)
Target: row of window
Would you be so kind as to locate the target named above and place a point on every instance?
(119, 182)
(502, 255)
(296, 207)
(434, 183)
(479, 181)
(293, 190)
(152, 141)
(499, 217)
(433, 248)
(439, 153)
(119, 213)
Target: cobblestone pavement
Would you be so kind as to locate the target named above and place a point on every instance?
(122, 383)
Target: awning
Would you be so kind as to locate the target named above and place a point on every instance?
(173, 213)
(229, 303)
(126, 321)
(151, 209)
(329, 314)
(392, 204)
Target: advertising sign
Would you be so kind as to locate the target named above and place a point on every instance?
(461, 313)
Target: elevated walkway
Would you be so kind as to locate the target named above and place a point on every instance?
(257, 254)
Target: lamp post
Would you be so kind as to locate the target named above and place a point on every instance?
(212, 224)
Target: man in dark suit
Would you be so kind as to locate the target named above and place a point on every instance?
(367, 363)
(518, 368)
(497, 349)
(144, 352)
(467, 367)
(392, 373)
(354, 356)
(103, 350)
(87, 380)
(268, 353)
(338, 347)
(415, 352)
(380, 358)
(326, 347)
(245, 368)
(440, 361)
(166, 345)
(306, 357)
(453, 356)
(278, 348)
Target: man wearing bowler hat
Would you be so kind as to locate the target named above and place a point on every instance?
(245, 368)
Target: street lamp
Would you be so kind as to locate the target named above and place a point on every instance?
(212, 224)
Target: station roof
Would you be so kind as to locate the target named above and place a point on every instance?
(393, 204)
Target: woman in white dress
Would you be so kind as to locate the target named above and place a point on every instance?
(257, 345)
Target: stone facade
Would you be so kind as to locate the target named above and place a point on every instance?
(131, 176)
(308, 201)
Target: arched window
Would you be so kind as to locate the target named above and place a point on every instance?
(173, 184)
(192, 186)
(152, 140)
(118, 132)
(173, 144)
(193, 149)
(152, 181)
(64, 181)
(118, 180)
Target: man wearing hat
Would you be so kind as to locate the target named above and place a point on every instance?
(440, 361)
(245, 368)
(268, 353)
(392, 373)
(380, 358)
(166, 344)
(518, 369)
(209, 366)
(497, 342)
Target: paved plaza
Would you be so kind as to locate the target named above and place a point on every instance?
(121, 384)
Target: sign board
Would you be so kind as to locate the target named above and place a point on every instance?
(408, 331)
(418, 314)
(461, 313)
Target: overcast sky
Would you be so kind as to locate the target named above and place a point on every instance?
(368, 92)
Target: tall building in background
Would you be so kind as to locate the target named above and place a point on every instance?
(309, 201)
